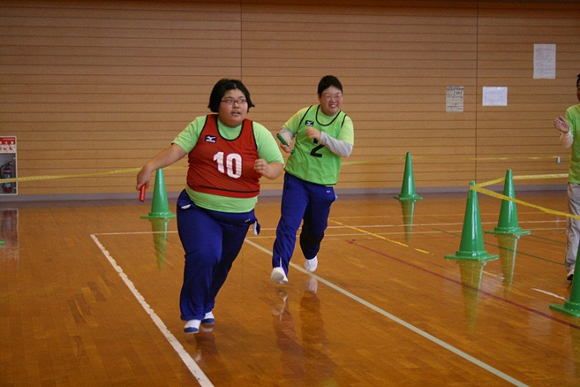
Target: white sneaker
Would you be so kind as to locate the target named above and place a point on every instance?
(278, 275)
(192, 326)
(208, 319)
(311, 264)
(570, 275)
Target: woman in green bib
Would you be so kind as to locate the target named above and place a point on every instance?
(317, 138)
(569, 127)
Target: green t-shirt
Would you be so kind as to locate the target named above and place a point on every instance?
(267, 150)
(312, 161)
(573, 118)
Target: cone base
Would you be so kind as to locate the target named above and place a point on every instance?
(482, 256)
(569, 308)
(408, 197)
(159, 215)
(508, 231)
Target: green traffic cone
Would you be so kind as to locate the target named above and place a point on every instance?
(160, 205)
(471, 246)
(408, 188)
(408, 209)
(572, 305)
(159, 228)
(508, 214)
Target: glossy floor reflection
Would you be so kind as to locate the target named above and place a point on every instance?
(91, 297)
(9, 236)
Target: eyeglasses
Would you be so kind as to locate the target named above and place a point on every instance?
(230, 101)
(330, 97)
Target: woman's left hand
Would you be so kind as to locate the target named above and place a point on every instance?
(313, 133)
(270, 171)
(261, 166)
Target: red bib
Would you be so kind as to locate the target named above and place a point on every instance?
(224, 167)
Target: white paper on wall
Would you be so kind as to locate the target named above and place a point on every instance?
(495, 95)
(454, 99)
(544, 61)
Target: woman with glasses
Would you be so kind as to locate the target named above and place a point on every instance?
(317, 138)
(569, 128)
(227, 155)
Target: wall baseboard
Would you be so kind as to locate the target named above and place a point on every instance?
(272, 193)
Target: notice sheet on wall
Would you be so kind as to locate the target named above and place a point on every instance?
(544, 61)
(494, 96)
(454, 99)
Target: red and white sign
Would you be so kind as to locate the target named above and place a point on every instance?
(7, 144)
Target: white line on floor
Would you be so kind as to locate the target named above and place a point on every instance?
(187, 359)
(405, 324)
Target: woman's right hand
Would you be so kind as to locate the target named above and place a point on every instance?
(143, 177)
(562, 125)
(286, 148)
(164, 158)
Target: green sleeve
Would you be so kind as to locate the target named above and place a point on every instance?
(188, 137)
(293, 124)
(573, 117)
(347, 132)
(267, 146)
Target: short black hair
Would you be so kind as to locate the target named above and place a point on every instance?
(220, 89)
(326, 82)
(578, 81)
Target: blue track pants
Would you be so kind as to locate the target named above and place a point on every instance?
(212, 241)
(306, 201)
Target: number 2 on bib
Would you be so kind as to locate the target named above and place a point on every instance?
(314, 151)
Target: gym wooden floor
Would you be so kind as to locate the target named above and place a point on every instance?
(89, 296)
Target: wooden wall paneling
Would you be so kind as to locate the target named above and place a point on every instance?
(506, 37)
(391, 60)
(101, 86)
(108, 81)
